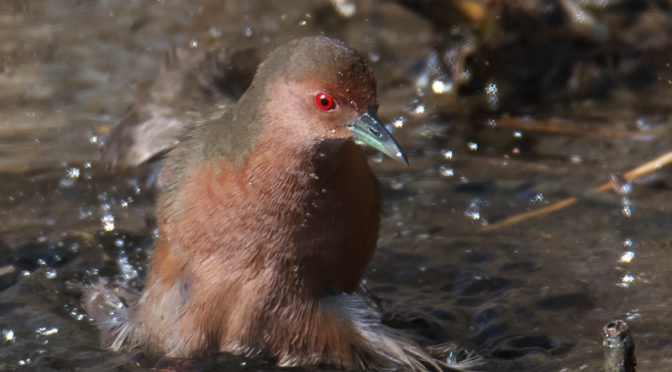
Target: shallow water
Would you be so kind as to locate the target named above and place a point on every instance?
(530, 297)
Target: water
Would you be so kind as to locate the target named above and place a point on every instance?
(530, 297)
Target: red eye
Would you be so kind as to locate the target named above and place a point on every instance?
(324, 102)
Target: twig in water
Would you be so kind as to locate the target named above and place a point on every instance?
(631, 175)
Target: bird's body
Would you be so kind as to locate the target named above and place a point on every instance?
(241, 255)
(268, 220)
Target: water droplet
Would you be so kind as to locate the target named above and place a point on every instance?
(576, 159)
(643, 124)
(633, 315)
(399, 122)
(41, 262)
(473, 146)
(447, 154)
(415, 107)
(108, 222)
(620, 185)
(440, 86)
(44, 331)
(8, 335)
(421, 82)
(72, 173)
(627, 243)
(119, 242)
(419, 109)
(474, 210)
(215, 31)
(50, 273)
(396, 185)
(446, 171)
(66, 182)
(377, 157)
(626, 280)
(127, 270)
(537, 198)
(374, 57)
(627, 256)
(492, 92)
(423, 236)
(346, 8)
(249, 31)
(193, 43)
(517, 134)
(626, 210)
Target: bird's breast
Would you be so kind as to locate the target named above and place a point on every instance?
(312, 211)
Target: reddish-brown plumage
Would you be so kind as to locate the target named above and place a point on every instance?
(268, 220)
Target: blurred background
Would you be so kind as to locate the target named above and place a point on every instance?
(502, 106)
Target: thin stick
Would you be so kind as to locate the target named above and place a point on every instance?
(631, 175)
(570, 129)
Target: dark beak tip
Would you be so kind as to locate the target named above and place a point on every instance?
(402, 158)
(369, 131)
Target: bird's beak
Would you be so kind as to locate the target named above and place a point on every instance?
(368, 130)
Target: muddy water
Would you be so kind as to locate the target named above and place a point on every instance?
(529, 297)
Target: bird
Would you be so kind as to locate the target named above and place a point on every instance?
(268, 217)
